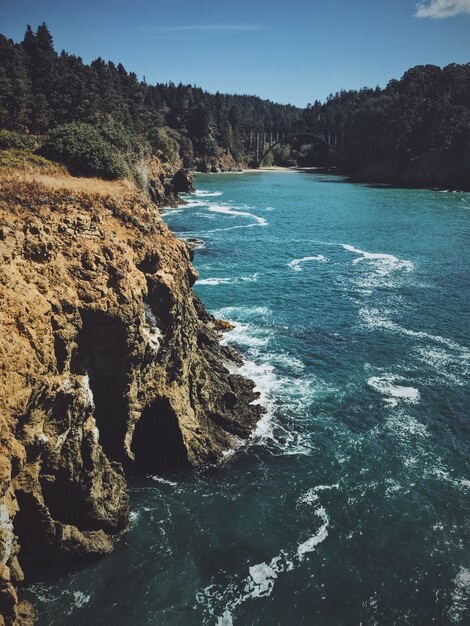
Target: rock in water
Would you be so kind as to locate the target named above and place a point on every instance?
(109, 364)
(183, 181)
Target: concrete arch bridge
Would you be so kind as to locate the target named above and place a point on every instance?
(328, 137)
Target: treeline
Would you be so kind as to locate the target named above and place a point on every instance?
(99, 118)
(41, 90)
(416, 130)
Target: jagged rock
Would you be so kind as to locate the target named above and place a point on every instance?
(223, 325)
(108, 361)
(183, 181)
(223, 162)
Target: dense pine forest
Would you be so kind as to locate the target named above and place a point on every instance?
(416, 130)
(100, 119)
(45, 93)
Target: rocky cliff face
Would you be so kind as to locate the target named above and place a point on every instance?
(109, 365)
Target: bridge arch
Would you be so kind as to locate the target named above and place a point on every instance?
(298, 133)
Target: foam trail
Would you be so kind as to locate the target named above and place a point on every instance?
(295, 264)
(222, 230)
(388, 259)
(167, 212)
(262, 577)
(374, 319)
(226, 210)
(194, 203)
(228, 281)
(207, 194)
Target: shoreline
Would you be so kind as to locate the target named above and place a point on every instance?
(277, 168)
(349, 178)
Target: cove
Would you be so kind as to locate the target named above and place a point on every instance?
(350, 503)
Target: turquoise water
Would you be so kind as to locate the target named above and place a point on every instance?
(350, 505)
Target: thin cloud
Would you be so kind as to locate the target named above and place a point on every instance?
(209, 27)
(439, 9)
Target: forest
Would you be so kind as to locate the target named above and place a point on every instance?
(58, 97)
(99, 119)
(411, 128)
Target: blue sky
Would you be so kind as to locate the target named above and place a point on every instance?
(295, 51)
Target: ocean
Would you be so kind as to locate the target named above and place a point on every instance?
(350, 503)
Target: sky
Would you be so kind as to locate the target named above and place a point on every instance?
(293, 51)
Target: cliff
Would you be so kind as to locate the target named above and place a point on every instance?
(109, 366)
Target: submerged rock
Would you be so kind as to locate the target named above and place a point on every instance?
(110, 364)
(223, 325)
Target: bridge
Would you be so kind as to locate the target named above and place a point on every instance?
(275, 139)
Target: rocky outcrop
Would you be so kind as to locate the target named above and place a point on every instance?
(183, 181)
(224, 162)
(154, 174)
(109, 365)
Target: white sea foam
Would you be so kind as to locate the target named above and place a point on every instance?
(279, 377)
(191, 204)
(247, 336)
(167, 212)
(393, 393)
(406, 428)
(311, 543)
(221, 603)
(381, 270)
(386, 261)
(295, 264)
(205, 216)
(207, 194)
(451, 366)
(241, 312)
(227, 210)
(462, 484)
(164, 481)
(228, 281)
(222, 230)
(374, 319)
(134, 517)
(460, 596)
(449, 359)
(80, 599)
(195, 245)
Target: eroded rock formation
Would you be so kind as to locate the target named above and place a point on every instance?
(109, 364)
(183, 181)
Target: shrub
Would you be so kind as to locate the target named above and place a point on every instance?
(19, 141)
(84, 151)
(128, 145)
(162, 142)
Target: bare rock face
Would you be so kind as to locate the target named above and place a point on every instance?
(109, 363)
(183, 181)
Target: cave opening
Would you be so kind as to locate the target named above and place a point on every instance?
(102, 355)
(158, 443)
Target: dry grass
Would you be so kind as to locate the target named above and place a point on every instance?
(60, 180)
(32, 192)
(32, 186)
